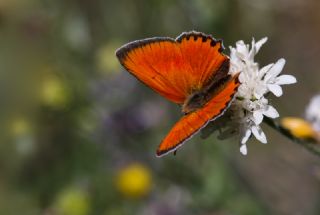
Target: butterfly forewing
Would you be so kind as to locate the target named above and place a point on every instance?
(174, 68)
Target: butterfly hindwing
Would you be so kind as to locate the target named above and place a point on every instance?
(191, 123)
(174, 68)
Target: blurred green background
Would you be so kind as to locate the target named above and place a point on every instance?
(78, 133)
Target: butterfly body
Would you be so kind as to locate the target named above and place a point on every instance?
(190, 71)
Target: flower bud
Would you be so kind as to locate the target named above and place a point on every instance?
(298, 127)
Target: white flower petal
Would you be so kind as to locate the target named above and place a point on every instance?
(257, 117)
(265, 69)
(252, 52)
(260, 90)
(285, 79)
(271, 112)
(260, 43)
(275, 89)
(242, 77)
(275, 70)
(258, 93)
(242, 49)
(243, 149)
(246, 136)
(259, 134)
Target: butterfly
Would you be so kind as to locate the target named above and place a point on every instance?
(191, 71)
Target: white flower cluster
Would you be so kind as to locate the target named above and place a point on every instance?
(313, 112)
(251, 104)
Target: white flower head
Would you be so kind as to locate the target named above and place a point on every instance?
(251, 105)
(313, 112)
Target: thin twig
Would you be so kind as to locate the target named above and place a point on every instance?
(308, 144)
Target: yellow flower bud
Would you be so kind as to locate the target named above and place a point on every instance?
(134, 180)
(298, 127)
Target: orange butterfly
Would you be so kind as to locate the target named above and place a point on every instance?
(190, 71)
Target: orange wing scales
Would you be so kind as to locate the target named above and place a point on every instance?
(174, 68)
(190, 124)
(204, 55)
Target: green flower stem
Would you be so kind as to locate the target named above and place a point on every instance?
(310, 145)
